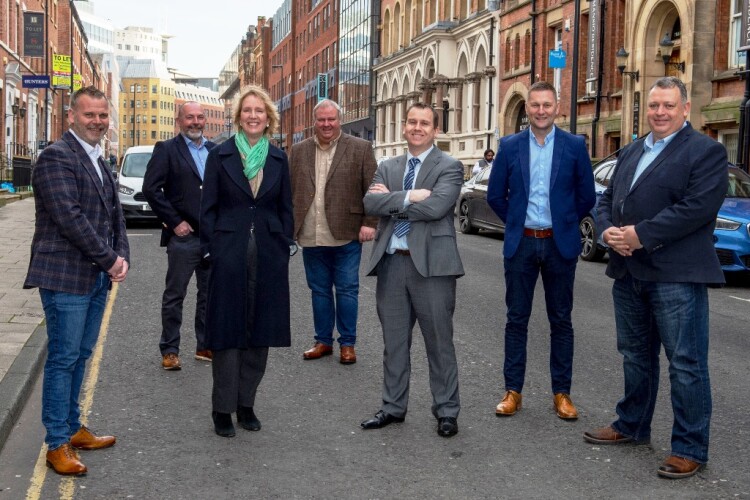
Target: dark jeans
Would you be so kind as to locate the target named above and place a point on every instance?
(326, 268)
(184, 259)
(535, 256)
(648, 315)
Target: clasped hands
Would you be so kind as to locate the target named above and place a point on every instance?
(415, 195)
(119, 270)
(623, 240)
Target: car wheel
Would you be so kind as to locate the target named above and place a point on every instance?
(464, 222)
(590, 250)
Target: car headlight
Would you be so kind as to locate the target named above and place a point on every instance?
(125, 190)
(727, 224)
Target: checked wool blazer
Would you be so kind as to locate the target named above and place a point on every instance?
(79, 230)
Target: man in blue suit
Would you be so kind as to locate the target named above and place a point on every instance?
(172, 185)
(658, 216)
(541, 186)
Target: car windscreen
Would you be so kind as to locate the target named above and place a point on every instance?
(739, 184)
(134, 164)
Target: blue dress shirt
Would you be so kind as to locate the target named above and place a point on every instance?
(199, 153)
(651, 150)
(538, 214)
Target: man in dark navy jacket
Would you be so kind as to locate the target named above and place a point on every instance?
(172, 186)
(658, 216)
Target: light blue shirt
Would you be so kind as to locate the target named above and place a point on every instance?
(199, 153)
(651, 150)
(397, 243)
(538, 214)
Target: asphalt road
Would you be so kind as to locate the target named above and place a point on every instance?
(311, 445)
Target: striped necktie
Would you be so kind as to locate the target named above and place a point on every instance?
(402, 227)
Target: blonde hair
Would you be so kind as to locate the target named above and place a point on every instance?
(271, 111)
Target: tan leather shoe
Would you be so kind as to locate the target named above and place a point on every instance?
(605, 435)
(204, 355)
(564, 407)
(64, 461)
(678, 468)
(348, 356)
(171, 361)
(318, 351)
(84, 439)
(510, 404)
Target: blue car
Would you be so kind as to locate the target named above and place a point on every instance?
(731, 236)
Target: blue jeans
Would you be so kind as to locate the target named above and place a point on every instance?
(535, 256)
(326, 268)
(73, 323)
(648, 315)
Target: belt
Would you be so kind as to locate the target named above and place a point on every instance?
(402, 252)
(537, 233)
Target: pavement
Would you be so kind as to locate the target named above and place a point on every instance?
(23, 336)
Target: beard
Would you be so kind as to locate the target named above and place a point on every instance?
(194, 134)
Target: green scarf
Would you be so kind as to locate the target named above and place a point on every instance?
(253, 157)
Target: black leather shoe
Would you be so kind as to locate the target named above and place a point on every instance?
(381, 419)
(447, 427)
(247, 419)
(223, 425)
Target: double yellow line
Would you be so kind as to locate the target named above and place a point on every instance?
(67, 484)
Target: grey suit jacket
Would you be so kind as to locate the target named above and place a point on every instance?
(432, 236)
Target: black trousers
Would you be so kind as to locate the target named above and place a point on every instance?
(183, 259)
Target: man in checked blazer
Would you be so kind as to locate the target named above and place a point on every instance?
(79, 248)
(416, 260)
(172, 185)
(330, 174)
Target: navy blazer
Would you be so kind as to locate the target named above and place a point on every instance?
(571, 189)
(673, 205)
(172, 185)
(79, 230)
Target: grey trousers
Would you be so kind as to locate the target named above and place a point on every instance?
(237, 374)
(403, 298)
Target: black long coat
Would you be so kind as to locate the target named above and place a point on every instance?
(228, 213)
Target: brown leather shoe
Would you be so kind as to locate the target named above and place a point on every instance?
(348, 356)
(678, 468)
(64, 461)
(318, 351)
(510, 404)
(204, 355)
(171, 361)
(84, 439)
(606, 435)
(564, 407)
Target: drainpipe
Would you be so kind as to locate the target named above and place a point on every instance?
(574, 78)
(533, 41)
(598, 105)
(491, 80)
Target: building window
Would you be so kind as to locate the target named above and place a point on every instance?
(736, 59)
(730, 138)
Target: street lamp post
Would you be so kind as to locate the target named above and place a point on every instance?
(281, 106)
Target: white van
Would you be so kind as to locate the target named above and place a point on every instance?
(130, 183)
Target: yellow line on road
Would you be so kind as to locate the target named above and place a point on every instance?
(67, 484)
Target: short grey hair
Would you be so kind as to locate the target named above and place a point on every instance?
(328, 103)
(670, 82)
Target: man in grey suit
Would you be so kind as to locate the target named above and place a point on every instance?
(414, 196)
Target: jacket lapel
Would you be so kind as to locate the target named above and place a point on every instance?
(523, 157)
(232, 163)
(185, 153)
(557, 154)
(271, 173)
(432, 159)
(666, 152)
(86, 163)
(338, 157)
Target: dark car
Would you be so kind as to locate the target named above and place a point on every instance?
(472, 209)
(731, 235)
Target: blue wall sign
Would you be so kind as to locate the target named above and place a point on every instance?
(557, 58)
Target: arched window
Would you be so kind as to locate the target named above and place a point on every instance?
(517, 51)
(527, 48)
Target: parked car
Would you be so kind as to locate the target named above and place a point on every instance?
(731, 235)
(472, 209)
(130, 183)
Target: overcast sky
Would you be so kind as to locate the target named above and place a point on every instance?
(204, 32)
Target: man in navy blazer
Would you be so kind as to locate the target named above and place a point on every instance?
(172, 185)
(79, 248)
(541, 186)
(658, 216)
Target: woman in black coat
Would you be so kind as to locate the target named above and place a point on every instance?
(246, 232)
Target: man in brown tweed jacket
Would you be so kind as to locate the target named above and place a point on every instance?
(331, 172)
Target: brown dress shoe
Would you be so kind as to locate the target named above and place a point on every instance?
(564, 407)
(318, 351)
(84, 439)
(605, 435)
(678, 468)
(348, 356)
(64, 461)
(204, 355)
(171, 361)
(510, 404)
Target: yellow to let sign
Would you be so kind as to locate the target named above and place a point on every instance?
(77, 82)
(60, 63)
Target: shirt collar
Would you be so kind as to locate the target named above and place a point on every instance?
(422, 157)
(330, 144)
(88, 148)
(190, 142)
(649, 142)
(547, 137)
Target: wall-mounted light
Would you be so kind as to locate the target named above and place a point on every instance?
(622, 61)
(667, 47)
(22, 111)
